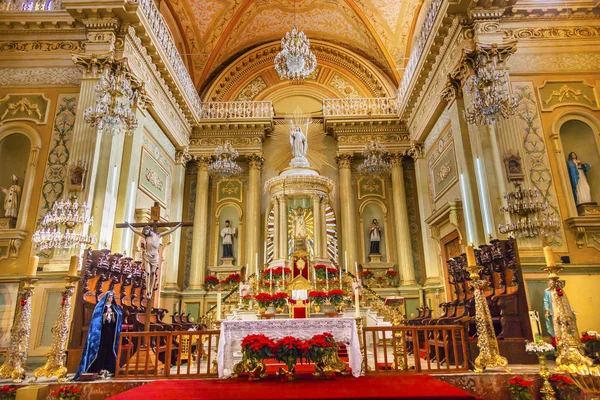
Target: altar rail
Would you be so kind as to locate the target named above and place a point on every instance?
(418, 349)
(360, 107)
(182, 354)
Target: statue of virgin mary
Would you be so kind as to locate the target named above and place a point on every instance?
(299, 147)
(578, 174)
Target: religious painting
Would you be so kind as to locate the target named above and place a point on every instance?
(514, 167)
(154, 179)
(443, 172)
(77, 179)
(567, 93)
(24, 107)
(371, 186)
(229, 189)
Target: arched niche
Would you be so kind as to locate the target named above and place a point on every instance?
(369, 210)
(19, 150)
(578, 131)
(232, 212)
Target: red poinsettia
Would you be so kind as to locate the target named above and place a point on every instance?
(520, 388)
(317, 297)
(367, 274)
(263, 299)
(8, 392)
(564, 387)
(210, 282)
(336, 297)
(66, 393)
(288, 350)
(257, 347)
(279, 299)
(390, 273)
(232, 279)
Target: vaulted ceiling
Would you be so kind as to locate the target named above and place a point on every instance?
(211, 34)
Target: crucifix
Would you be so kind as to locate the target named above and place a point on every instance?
(150, 251)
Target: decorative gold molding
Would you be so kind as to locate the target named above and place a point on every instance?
(255, 161)
(42, 45)
(554, 32)
(344, 160)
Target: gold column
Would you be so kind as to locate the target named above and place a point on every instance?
(283, 244)
(275, 202)
(200, 231)
(348, 214)
(317, 225)
(253, 225)
(405, 257)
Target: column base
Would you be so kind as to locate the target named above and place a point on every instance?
(433, 282)
(171, 286)
(410, 282)
(195, 286)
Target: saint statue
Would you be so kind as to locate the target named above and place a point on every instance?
(12, 195)
(578, 174)
(299, 224)
(227, 234)
(299, 147)
(102, 344)
(150, 247)
(549, 306)
(375, 237)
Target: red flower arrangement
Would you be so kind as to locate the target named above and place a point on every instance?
(288, 350)
(336, 297)
(264, 300)
(8, 392)
(320, 271)
(366, 274)
(591, 341)
(390, 273)
(66, 393)
(317, 297)
(210, 282)
(278, 299)
(246, 298)
(232, 279)
(565, 387)
(520, 389)
(257, 347)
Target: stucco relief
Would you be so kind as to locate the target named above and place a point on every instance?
(39, 76)
(527, 63)
(343, 86)
(255, 86)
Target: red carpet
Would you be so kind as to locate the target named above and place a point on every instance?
(304, 388)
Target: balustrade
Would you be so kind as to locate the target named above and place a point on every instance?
(237, 109)
(360, 106)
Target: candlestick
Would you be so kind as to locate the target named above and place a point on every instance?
(283, 275)
(218, 306)
(326, 279)
(356, 269)
(314, 275)
(256, 258)
(549, 255)
(265, 249)
(471, 260)
(73, 266)
(32, 266)
(356, 305)
(340, 271)
(346, 260)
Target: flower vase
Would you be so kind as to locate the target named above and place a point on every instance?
(279, 310)
(546, 390)
(262, 310)
(317, 308)
(287, 375)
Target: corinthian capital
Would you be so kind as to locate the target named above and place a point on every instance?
(344, 160)
(416, 150)
(203, 161)
(396, 159)
(92, 64)
(182, 156)
(256, 161)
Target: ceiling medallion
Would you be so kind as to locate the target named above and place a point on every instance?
(295, 60)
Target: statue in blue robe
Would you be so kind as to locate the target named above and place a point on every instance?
(102, 344)
(578, 175)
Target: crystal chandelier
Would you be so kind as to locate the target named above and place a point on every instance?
(295, 60)
(375, 160)
(528, 214)
(68, 214)
(491, 99)
(225, 165)
(115, 96)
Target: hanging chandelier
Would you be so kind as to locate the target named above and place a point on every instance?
(375, 160)
(295, 60)
(491, 99)
(225, 165)
(528, 215)
(57, 229)
(115, 97)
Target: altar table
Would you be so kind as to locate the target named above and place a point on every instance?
(233, 332)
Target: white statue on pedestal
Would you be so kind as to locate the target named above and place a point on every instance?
(299, 147)
(12, 196)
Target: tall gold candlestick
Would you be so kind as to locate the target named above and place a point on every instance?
(489, 353)
(15, 366)
(55, 364)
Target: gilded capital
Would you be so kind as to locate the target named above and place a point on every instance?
(92, 64)
(182, 156)
(203, 161)
(396, 159)
(256, 161)
(416, 150)
(344, 160)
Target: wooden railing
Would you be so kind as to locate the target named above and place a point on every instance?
(180, 354)
(419, 349)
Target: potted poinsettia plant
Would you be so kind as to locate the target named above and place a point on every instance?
(367, 276)
(591, 342)
(288, 350)
(391, 276)
(255, 349)
(319, 350)
(565, 387)
(520, 389)
(66, 393)
(336, 297)
(232, 280)
(8, 392)
(246, 300)
(320, 271)
(318, 299)
(211, 282)
(264, 300)
(279, 301)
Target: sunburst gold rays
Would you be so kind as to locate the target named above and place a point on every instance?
(282, 153)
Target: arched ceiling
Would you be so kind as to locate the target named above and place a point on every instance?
(218, 31)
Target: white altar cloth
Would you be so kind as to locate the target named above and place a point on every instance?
(233, 332)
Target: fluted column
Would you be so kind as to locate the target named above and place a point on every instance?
(403, 245)
(275, 202)
(200, 231)
(348, 209)
(283, 219)
(318, 224)
(253, 225)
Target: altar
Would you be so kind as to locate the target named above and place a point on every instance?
(233, 332)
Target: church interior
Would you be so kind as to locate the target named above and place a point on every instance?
(412, 185)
